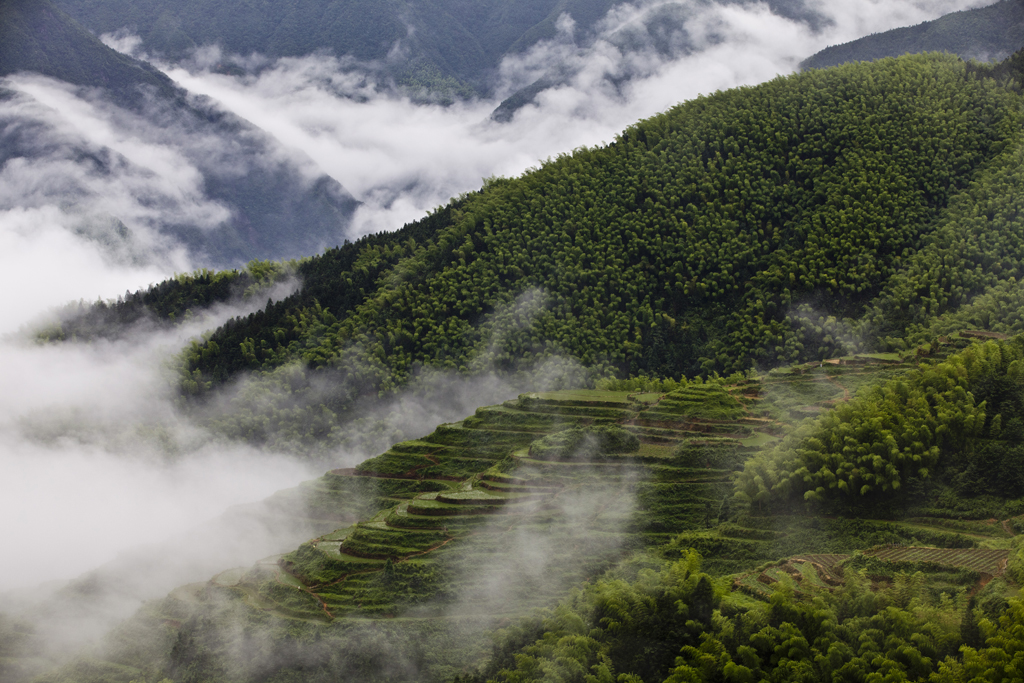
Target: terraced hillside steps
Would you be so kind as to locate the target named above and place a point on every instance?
(470, 488)
(443, 539)
(440, 513)
(807, 573)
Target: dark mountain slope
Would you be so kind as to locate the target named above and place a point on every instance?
(431, 39)
(38, 37)
(987, 33)
(450, 47)
(276, 212)
(732, 231)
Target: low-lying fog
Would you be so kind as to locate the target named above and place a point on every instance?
(95, 458)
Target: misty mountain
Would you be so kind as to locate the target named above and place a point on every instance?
(40, 38)
(832, 241)
(244, 197)
(451, 48)
(434, 44)
(656, 30)
(986, 33)
(706, 239)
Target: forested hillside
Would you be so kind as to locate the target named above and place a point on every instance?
(683, 573)
(985, 34)
(751, 228)
(799, 457)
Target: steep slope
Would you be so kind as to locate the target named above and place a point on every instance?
(38, 37)
(462, 532)
(711, 237)
(986, 33)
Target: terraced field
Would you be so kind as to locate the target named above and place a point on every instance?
(426, 550)
(468, 520)
(802, 573)
(464, 520)
(984, 560)
(810, 572)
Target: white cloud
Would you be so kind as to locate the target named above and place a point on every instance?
(96, 459)
(402, 158)
(79, 481)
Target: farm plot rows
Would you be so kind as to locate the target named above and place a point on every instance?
(987, 561)
(450, 516)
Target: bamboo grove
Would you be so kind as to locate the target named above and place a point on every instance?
(795, 220)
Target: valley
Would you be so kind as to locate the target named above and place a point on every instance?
(736, 396)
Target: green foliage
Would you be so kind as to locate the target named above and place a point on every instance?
(975, 251)
(1002, 657)
(916, 427)
(710, 401)
(851, 632)
(167, 303)
(586, 443)
(643, 383)
(632, 623)
(725, 454)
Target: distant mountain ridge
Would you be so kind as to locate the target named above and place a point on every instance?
(276, 212)
(38, 37)
(447, 48)
(422, 43)
(987, 33)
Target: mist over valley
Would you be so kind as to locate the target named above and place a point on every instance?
(339, 352)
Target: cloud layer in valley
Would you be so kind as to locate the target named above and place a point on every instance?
(402, 157)
(81, 427)
(96, 458)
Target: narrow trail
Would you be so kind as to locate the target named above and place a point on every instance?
(428, 550)
(846, 392)
(321, 586)
(304, 589)
(431, 459)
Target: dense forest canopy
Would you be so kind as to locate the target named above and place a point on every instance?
(830, 490)
(796, 220)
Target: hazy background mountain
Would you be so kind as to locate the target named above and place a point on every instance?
(448, 45)
(95, 450)
(78, 115)
(985, 33)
